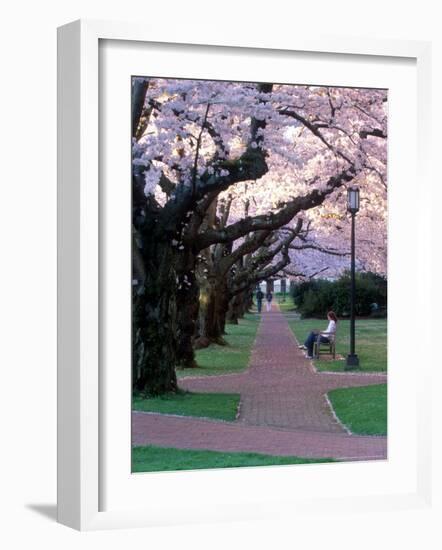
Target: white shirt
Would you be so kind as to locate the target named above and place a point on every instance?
(331, 328)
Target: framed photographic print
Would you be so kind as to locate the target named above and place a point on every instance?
(231, 259)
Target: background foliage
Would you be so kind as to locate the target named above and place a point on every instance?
(315, 297)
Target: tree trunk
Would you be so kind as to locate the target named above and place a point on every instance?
(245, 303)
(187, 316)
(236, 309)
(222, 307)
(239, 305)
(248, 302)
(211, 319)
(154, 319)
(187, 309)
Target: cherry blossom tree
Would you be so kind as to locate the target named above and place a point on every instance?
(288, 151)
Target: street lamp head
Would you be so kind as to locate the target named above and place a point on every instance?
(353, 199)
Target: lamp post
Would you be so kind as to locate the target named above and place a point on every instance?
(353, 208)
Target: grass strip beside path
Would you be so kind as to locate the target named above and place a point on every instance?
(222, 406)
(234, 357)
(371, 342)
(157, 459)
(287, 307)
(362, 409)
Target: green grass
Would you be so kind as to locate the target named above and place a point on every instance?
(371, 342)
(234, 357)
(157, 459)
(288, 306)
(222, 406)
(362, 409)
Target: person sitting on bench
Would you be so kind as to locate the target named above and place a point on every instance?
(324, 335)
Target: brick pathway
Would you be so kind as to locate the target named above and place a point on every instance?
(283, 407)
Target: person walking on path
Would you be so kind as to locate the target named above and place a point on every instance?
(259, 297)
(324, 335)
(269, 298)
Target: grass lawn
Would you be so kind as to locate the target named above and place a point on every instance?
(363, 409)
(371, 342)
(288, 306)
(157, 459)
(226, 359)
(222, 406)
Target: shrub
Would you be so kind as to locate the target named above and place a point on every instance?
(316, 297)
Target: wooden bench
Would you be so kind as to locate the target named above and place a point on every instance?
(329, 348)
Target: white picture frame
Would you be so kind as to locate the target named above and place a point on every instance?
(79, 435)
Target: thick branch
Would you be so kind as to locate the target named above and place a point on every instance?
(376, 132)
(298, 274)
(225, 210)
(313, 246)
(251, 165)
(198, 146)
(315, 130)
(139, 90)
(250, 277)
(258, 276)
(249, 246)
(275, 221)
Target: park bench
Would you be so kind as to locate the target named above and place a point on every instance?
(328, 348)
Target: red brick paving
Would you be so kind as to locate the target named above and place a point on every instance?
(283, 408)
(192, 433)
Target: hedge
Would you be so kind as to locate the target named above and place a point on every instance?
(316, 297)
